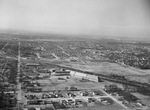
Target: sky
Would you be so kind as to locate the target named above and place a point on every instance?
(129, 18)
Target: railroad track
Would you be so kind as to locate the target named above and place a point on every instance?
(106, 77)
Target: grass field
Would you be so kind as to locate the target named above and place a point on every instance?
(108, 68)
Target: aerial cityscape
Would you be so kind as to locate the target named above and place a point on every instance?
(63, 73)
(74, 55)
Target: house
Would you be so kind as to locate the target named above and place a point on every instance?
(32, 64)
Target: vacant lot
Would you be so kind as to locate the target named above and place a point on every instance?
(108, 68)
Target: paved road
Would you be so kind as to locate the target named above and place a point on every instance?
(18, 77)
(63, 50)
(126, 108)
(4, 46)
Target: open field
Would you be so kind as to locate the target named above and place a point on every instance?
(107, 68)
